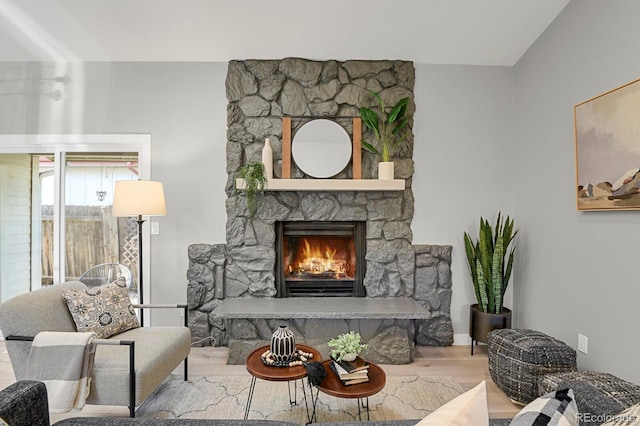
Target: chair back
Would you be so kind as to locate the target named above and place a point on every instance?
(105, 273)
(30, 313)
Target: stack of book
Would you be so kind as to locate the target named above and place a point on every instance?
(351, 373)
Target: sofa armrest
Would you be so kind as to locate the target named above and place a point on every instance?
(165, 306)
(24, 403)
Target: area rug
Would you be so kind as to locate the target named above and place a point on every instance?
(406, 397)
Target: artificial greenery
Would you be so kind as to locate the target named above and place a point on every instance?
(486, 257)
(347, 343)
(388, 126)
(255, 179)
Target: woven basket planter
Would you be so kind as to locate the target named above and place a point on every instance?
(519, 360)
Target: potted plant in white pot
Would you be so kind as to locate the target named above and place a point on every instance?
(389, 126)
(347, 346)
(490, 263)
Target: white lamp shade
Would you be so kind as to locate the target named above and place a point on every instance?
(138, 198)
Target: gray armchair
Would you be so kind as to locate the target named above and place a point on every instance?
(127, 368)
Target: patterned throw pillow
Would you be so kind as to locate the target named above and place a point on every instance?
(105, 310)
(555, 408)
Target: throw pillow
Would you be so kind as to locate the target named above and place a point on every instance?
(555, 408)
(629, 417)
(470, 408)
(105, 310)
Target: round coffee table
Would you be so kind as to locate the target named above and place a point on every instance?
(260, 370)
(333, 386)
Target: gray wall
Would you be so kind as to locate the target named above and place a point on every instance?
(183, 107)
(463, 164)
(578, 271)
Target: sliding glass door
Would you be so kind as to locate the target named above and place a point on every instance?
(56, 195)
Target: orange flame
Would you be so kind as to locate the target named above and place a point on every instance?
(316, 262)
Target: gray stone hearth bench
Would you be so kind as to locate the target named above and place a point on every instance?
(386, 324)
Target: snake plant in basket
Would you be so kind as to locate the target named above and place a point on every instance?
(490, 261)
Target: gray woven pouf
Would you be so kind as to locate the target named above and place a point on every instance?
(519, 359)
(598, 395)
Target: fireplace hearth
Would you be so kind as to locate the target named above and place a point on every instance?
(320, 259)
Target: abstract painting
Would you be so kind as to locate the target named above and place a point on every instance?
(607, 138)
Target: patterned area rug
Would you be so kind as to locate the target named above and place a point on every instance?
(408, 397)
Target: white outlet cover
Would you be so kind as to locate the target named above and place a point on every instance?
(155, 228)
(582, 343)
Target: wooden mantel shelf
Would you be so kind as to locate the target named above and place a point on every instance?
(330, 185)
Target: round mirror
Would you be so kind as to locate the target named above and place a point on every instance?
(321, 148)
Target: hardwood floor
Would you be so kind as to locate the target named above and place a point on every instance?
(454, 361)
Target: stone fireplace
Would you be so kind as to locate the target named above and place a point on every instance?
(320, 258)
(248, 265)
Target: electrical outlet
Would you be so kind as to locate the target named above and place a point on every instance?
(583, 341)
(155, 228)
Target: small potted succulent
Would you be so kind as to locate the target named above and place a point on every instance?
(347, 346)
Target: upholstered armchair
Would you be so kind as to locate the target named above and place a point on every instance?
(128, 366)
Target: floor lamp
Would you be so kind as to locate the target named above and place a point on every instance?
(139, 198)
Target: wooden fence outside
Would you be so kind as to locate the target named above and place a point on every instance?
(93, 236)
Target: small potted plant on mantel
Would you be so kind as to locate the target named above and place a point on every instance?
(255, 180)
(490, 271)
(389, 126)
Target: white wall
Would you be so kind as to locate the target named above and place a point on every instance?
(578, 271)
(463, 160)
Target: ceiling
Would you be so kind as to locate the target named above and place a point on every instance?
(472, 32)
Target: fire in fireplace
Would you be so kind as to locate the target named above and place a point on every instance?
(320, 258)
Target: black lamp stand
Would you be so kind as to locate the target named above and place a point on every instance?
(140, 268)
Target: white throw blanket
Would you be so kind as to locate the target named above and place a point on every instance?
(64, 362)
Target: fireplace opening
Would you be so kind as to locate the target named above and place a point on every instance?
(320, 259)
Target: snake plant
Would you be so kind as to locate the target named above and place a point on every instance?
(490, 267)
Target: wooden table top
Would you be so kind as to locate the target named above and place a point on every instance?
(258, 369)
(332, 385)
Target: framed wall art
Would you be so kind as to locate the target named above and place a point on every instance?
(607, 139)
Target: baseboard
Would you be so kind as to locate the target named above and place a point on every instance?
(461, 339)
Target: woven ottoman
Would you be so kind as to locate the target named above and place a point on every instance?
(598, 395)
(519, 359)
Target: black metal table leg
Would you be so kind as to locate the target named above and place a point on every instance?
(250, 397)
(311, 417)
(294, 401)
(361, 404)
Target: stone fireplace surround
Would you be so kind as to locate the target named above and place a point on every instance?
(260, 92)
